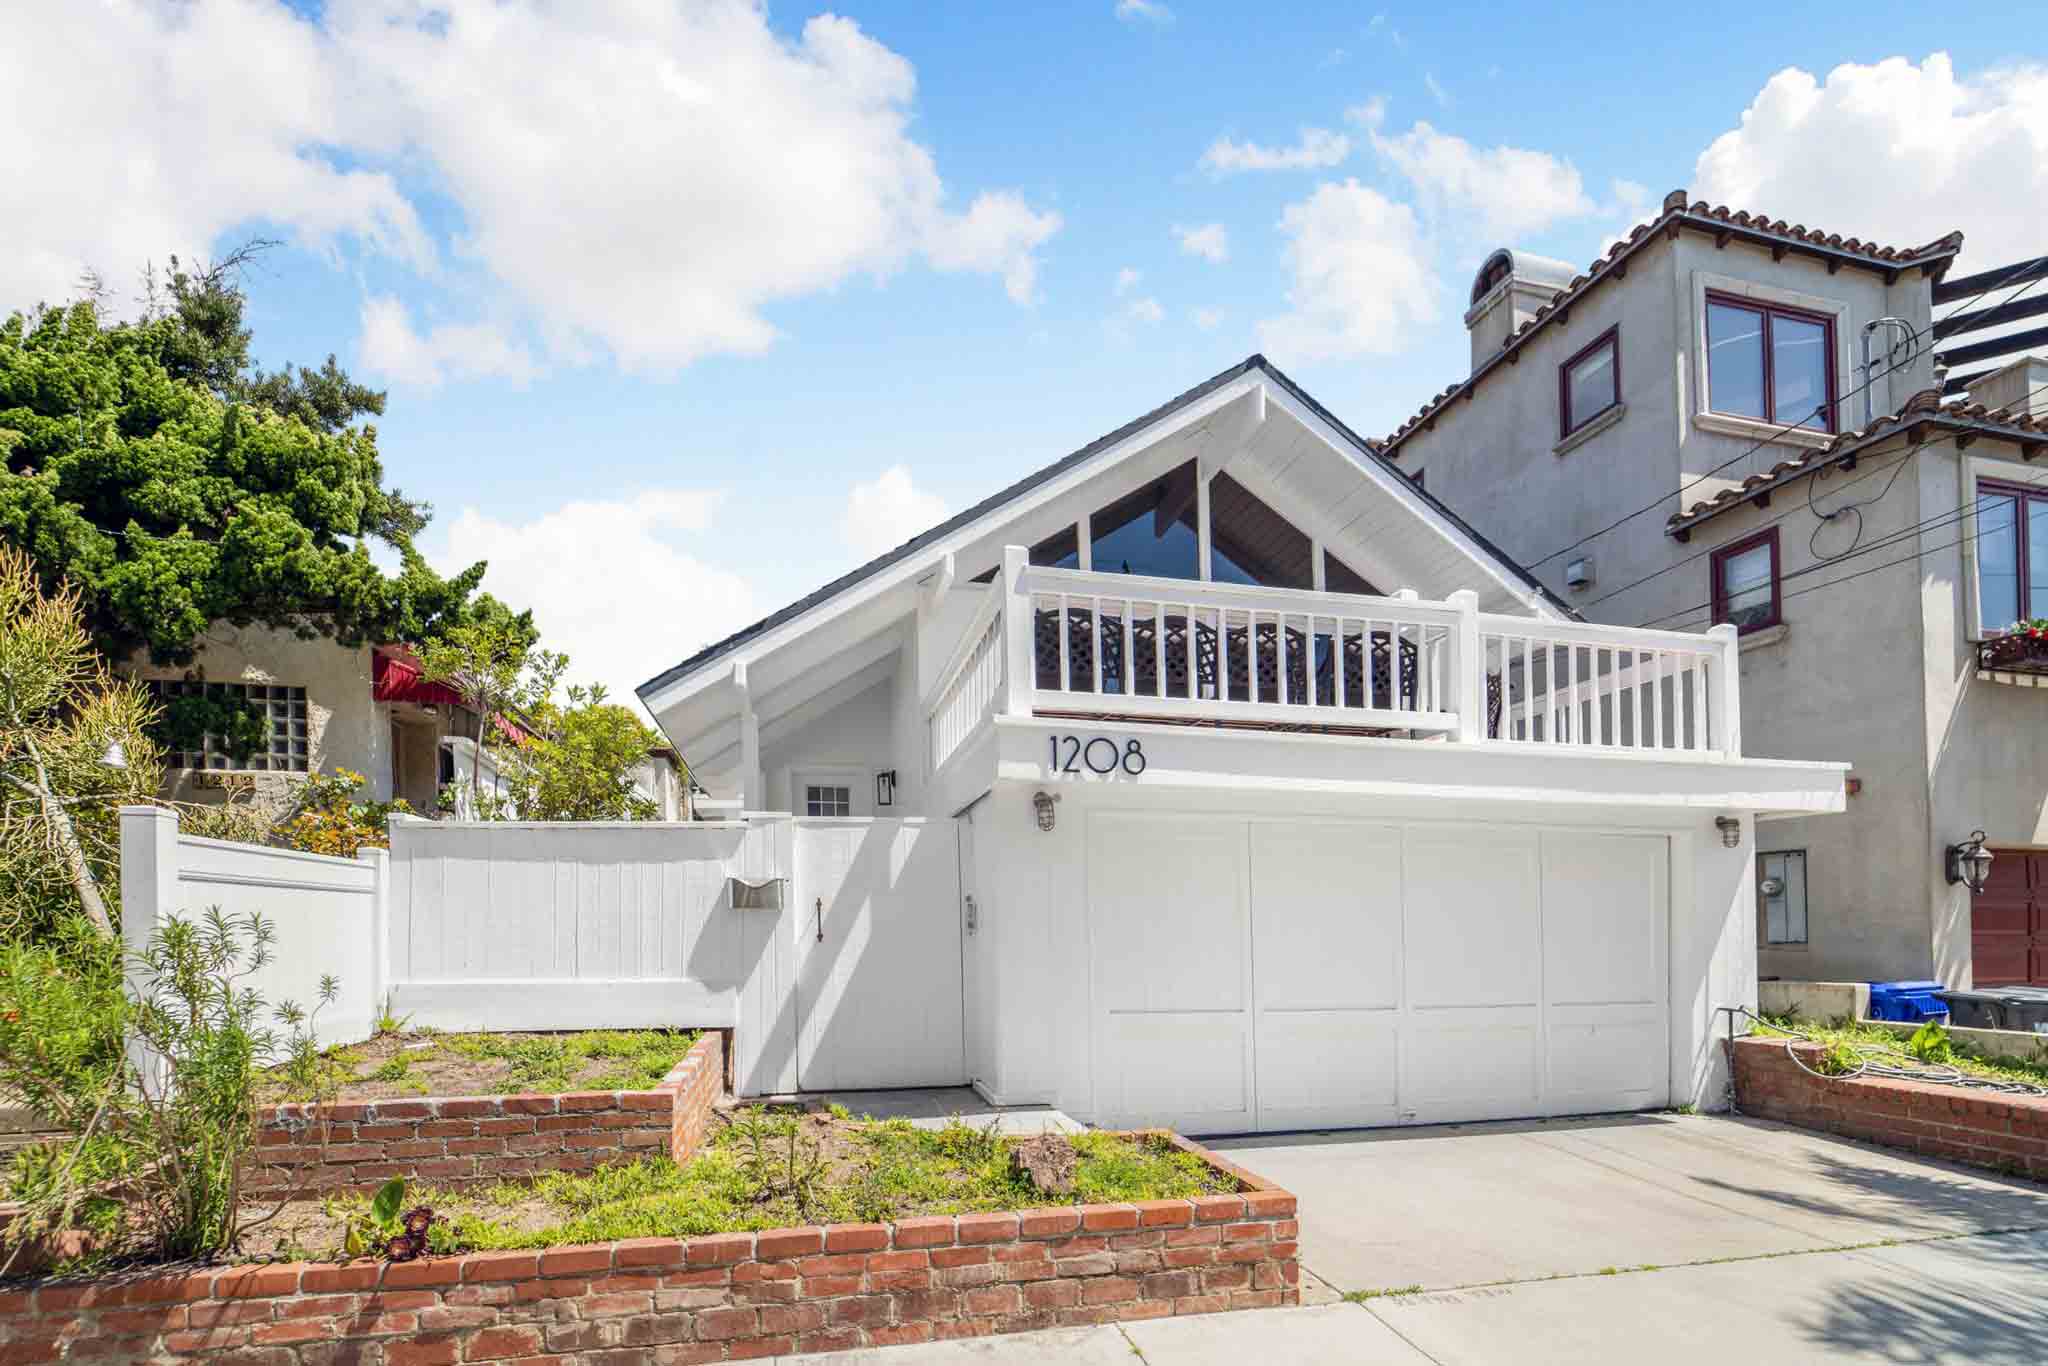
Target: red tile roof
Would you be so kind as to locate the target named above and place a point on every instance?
(1725, 224)
(1924, 407)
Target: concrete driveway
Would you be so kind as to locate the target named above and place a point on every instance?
(1668, 1238)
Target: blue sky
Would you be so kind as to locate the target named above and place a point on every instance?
(718, 371)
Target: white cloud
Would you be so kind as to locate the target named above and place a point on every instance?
(1126, 281)
(1146, 310)
(1361, 275)
(998, 235)
(1211, 242)
(393, 349)
(1492, 195)
(1901, 152)
(1436, 90)
(611, 584)
(1379, 24)
(1316, 147)
(886, 511)
(642, 180)
(172, 153)
(1208, 318)
(1145, 11)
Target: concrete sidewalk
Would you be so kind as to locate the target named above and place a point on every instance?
(1678, 1239)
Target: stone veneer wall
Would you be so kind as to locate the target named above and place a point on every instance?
(663, 1302)
(464, 1140)
(2007, 1133)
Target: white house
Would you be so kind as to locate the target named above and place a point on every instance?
(1218, 776)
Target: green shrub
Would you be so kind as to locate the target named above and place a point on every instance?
(163, 1134)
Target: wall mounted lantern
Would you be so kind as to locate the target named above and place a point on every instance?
(1731, 831)
(885, 788)
(1041, 802)
(1970, 862)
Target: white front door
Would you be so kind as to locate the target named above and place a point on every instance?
(877, 932)
(1322, 974)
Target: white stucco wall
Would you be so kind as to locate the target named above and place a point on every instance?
(345, 725)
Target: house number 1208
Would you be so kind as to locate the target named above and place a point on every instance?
(1099, 753)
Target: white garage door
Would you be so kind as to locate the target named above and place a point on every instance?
(1287, 975)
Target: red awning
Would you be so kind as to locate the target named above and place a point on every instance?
(395, 676)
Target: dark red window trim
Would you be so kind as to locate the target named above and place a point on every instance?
(2024, 493)
(1565, 423)
(1768, 536)
(1769, 311)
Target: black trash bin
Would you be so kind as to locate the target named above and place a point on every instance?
(1977, 1009)
(2026, 1009)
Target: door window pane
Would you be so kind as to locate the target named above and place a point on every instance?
(1998, 561)
(1746, 586)
(2036, 603)
(1735, 360)
(1799, 371)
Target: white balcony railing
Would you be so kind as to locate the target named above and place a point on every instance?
(1066, 642)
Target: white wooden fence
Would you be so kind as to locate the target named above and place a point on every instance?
(327, 912)
(852, 979)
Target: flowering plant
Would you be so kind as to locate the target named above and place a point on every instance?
(2025, 640)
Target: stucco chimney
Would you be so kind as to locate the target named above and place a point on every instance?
(2021, 386)
(1506, 293)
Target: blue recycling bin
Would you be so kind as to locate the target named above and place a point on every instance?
(1910, 1002)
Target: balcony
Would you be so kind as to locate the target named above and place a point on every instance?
(1073, 644)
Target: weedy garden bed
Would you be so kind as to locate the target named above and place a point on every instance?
(401, 1063)
(765, 1168)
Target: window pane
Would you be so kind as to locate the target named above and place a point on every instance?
(1151, 531)
(1746, 586)
(1061, 550)
(1251, 543)
(1735, 360)
(1799, 372)
(2036, 601)
(1589, 386)
(1998, 561)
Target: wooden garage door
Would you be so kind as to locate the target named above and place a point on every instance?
(1289, 975)
(2008, 941)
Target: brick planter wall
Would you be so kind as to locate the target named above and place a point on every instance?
(465, 1140)
(718, 1298)
(1982, 1128)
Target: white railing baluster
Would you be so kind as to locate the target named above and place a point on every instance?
(1066, 666)
(1130, 674)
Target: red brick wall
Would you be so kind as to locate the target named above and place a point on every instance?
(719, 1298)
(457, 1141)
(1982, 1128)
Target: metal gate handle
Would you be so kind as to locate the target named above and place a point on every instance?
(820, 914)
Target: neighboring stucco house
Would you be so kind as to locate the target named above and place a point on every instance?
(1201, 778)
(1732, 419)
(365, 708)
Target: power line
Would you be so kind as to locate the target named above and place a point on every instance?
(1765, 440)
(1951, 516)
(1820, 472)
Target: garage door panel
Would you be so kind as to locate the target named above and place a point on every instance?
(1328, 1068)
(1602, 918)
(1606, 1058)
(1326, 910)
(1192, 1072)
(1473, 1064)
(1470, 925)
(1172, 925)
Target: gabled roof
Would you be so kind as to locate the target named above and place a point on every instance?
(1924, 410)
(1364, 451)
(1724, 225)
